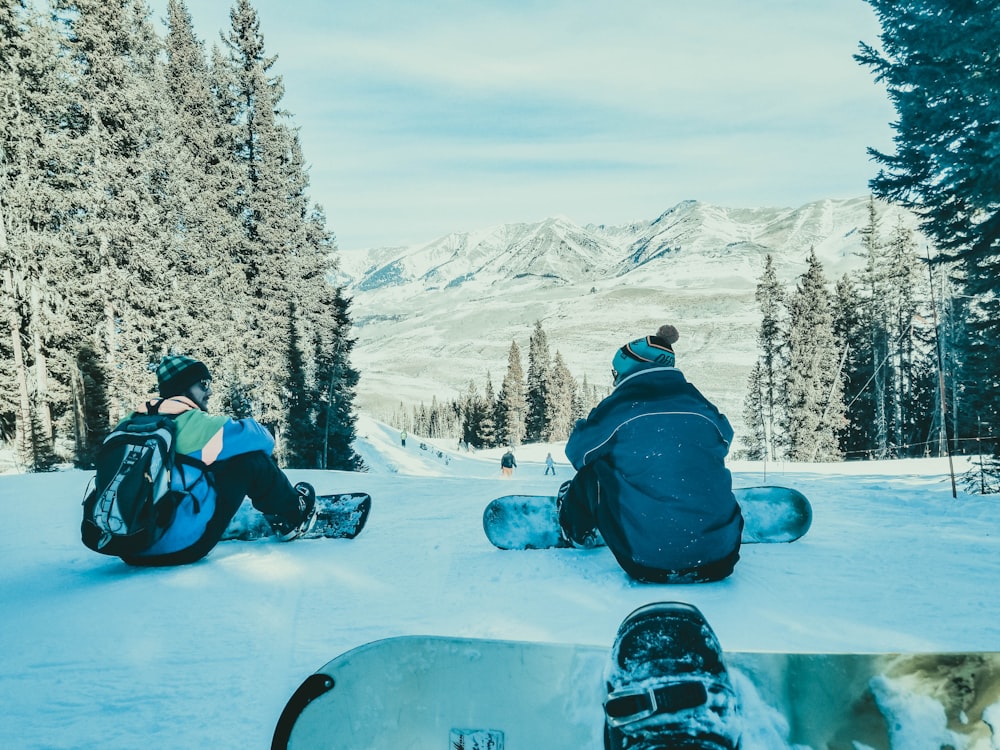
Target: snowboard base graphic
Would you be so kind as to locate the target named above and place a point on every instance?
(770, 515)
(340, 516)
(416, 692)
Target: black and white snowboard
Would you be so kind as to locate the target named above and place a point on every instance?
(340, 516)
(438, 692)
(770, 515)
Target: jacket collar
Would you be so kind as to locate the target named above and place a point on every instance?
(170, 406)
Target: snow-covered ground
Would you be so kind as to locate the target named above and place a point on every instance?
(99, 655)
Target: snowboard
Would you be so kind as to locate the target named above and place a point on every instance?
(770, 515)
(340, 516)
(418, 692)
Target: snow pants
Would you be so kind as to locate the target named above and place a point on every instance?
(254, 475)
(580, 503)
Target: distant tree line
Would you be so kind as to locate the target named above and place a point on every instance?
(540, 406)
(848, 372)
(153, 200)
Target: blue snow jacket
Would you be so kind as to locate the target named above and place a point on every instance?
(208, 439)
(658, 447)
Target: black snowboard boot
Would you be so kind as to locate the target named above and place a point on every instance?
(307, 508)
(668, 688)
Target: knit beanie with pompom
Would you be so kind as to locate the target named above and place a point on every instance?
(651, 351)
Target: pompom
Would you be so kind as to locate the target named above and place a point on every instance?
(668, 333)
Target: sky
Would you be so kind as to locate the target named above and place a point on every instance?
(421, 119)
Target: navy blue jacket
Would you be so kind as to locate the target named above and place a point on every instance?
(659, 448)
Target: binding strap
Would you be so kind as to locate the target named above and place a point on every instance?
(630, 705)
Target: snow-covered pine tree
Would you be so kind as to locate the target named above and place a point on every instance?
(875, 280)
(271, 205)
(815, 407)
(765, 389)
(488, 426)
(539, 364)
(561, 401)
(205, 227)
(335, 381)
(511, 405)
(474, 409)
(911, 355)
(856, 437)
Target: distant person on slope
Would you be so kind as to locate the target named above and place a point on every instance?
(651, 475)
(238, 463)
(507, 464)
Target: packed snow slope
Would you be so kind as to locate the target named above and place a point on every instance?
(99, 655)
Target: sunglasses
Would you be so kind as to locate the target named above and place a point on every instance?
(630, 705)
(206, 384)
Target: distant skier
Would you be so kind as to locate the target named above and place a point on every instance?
(507, 464)
(402, 438)
(651, 476)
(550, 465)
(238, 463)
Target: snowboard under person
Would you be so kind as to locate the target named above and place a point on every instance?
(237, 455)
(651, 476)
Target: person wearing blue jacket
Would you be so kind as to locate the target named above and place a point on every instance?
(651, 477)
(231, 460)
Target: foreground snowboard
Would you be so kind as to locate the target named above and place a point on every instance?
(770, 514)
(340, 516)
(429, 692)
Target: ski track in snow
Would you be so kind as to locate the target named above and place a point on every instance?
(97, 654)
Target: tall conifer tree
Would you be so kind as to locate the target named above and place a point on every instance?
(537, 385)
(815, 407)
(511, 404)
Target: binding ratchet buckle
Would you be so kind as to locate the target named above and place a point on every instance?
(630, 705)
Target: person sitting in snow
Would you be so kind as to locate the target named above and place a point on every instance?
(651, 477)
(237, 455)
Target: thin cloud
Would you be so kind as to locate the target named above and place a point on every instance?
(480, 111)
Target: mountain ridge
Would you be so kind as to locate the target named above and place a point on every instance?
(431, 317)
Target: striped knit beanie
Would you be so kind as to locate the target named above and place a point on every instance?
(651, 351)
(176, 374)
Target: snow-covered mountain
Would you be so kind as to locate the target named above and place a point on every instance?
(430, 318)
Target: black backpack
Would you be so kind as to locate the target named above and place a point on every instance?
(132, 505)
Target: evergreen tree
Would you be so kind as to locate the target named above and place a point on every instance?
(269, 205)
(875, 280)
(487, 426)
(511, 404)
(766, 385)
(474, 409)
(336, 381)
(943, 87)
(205, 227)
(537, 419)
(561, 401)
(856, 437)
(815, 405)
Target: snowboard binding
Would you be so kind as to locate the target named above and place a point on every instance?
(667, 684)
